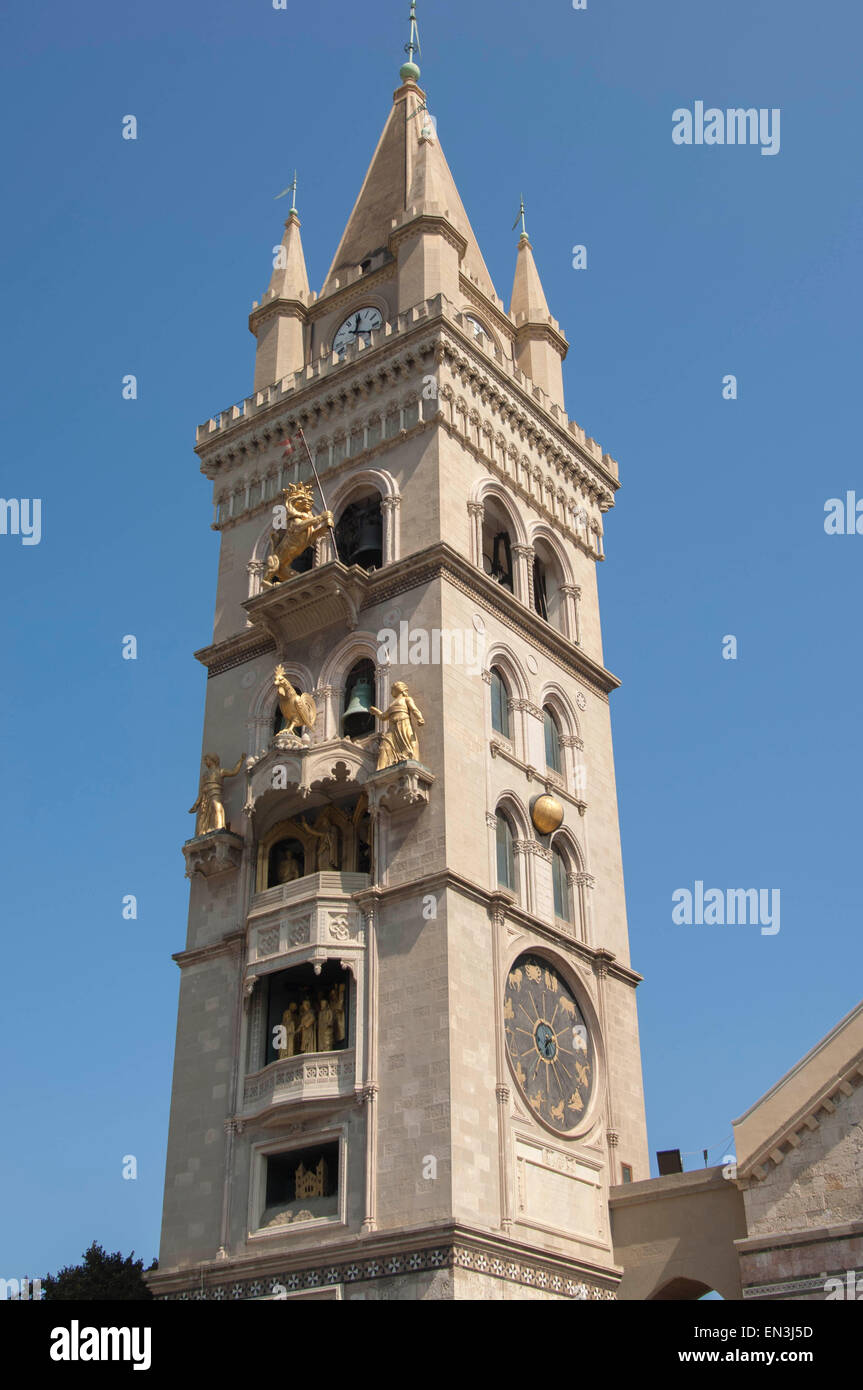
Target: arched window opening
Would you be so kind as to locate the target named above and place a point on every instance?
(547, 581)
(559, 871)
(357, 720)
(497, 546)
(505, 852)
(499, 704)
(360, 533)
(553, 752)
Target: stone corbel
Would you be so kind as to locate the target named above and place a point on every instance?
(403, 787)
(218, 852)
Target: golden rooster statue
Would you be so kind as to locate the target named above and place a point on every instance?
(298, 710)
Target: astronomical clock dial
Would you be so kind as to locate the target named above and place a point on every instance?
(361, 323)
(550, 1048)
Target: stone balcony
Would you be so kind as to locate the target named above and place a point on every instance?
(315, 1076)
(312, 918)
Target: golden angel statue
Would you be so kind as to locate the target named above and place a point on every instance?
(399, 743)
(209, 805)
(298, 710)
(299, 529)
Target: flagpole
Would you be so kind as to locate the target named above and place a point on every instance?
(301, 436)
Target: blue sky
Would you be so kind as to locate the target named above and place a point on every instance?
(144, 257)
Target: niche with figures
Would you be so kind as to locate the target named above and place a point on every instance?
(307, 1012)
(301, 1185)
(337, 839)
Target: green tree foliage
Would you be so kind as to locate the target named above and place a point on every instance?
(101, 1277)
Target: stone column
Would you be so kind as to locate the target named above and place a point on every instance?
(502, 1091)
(476, 511)
(523, 577)
(391, 541)
(571, 593)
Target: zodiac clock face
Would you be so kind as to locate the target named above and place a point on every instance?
(549, 1045)
(361, 323)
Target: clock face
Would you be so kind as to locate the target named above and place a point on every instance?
(361, 323)
(550, 1048)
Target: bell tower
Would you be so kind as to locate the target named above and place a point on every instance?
(407, 1060)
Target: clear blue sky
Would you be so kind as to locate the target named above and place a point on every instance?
(144, 257)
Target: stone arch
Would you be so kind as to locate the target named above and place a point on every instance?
(681, 1290)
(363, 483)
(355, 647)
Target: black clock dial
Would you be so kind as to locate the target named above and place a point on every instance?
(550, 1048)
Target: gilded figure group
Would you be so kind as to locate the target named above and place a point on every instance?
(314, 1027)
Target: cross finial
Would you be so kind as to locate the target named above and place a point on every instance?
(520, 218)
(409, 72)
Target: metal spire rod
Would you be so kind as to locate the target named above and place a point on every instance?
(292, 189)
(413, 44)
(409, 71)
(520, 219)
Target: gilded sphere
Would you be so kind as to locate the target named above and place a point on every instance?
(546, 814)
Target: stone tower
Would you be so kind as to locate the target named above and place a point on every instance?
(407, 1059)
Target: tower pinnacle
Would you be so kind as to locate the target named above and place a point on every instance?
(409, 71)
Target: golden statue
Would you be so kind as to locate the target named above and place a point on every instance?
(307, 1027)
(209, 805)
(289, 1023)
(326, 1021)
(337, 1004)
(286, 867)
(327, 853)
(298, 710)
(301, 528)
(400, 741)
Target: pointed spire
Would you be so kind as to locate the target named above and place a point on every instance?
(540, 347)
(289, 279)
(409, 72)
(408, 178)
(528, 296)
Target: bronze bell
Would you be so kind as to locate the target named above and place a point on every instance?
(367, 550)
(359, 709)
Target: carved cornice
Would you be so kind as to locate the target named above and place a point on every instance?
(382, 1255)
(234, 944)
(277, 308)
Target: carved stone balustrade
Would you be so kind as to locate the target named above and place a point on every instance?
(315, 1076)
(311, 918)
